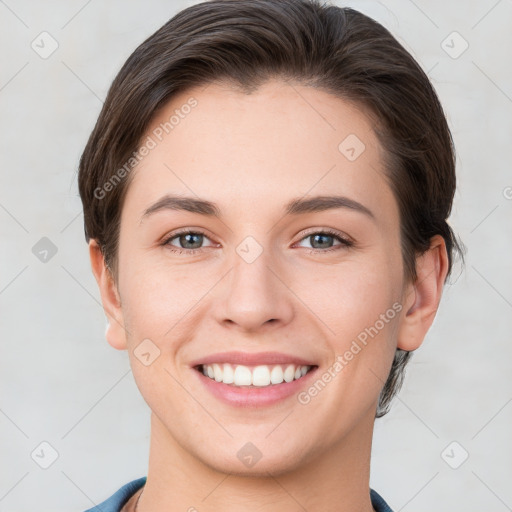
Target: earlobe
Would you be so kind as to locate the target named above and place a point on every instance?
(421, 299)
(115, 332)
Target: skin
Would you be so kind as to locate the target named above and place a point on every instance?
(251, 154)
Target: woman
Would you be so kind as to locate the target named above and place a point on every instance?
(266, 194)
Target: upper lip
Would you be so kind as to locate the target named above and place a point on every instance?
(251, 359)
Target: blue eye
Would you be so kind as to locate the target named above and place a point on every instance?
(190, 242)
(323, 238)
(186, 239)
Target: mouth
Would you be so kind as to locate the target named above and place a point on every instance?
(259, 386)
(260, 376)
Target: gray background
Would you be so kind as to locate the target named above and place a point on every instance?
(64, 385)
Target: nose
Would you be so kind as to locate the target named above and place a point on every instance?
(255, 295)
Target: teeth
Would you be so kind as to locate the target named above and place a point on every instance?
(217, 372)
(289, 373)
(259, 376)
(228, 375)
(242, 376)
(276, 375)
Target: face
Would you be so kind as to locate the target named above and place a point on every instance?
(319, 281)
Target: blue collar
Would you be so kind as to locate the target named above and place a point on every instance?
(116, 502)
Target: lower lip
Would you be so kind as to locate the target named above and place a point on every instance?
(245, 396)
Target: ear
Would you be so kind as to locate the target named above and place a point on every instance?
(115, 333)
(421, 298)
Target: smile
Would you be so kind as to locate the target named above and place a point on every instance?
(253, 376)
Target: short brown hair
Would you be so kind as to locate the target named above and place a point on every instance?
(246, 42)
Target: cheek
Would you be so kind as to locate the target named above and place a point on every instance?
(361, 309)
(349, 300)
(154, 301)
(159, 316)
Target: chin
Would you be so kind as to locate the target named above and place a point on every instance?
(266, 466)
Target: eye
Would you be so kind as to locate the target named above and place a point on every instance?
(189, 241)
(321, 241)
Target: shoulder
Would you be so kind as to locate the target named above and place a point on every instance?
(378, 502)
(120, 497)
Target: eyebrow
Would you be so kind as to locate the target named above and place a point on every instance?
(294, 207)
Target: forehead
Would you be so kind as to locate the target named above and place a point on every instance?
(284, 140)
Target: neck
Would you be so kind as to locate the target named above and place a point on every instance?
(333, 479)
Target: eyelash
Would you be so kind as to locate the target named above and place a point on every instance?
(345, 242)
